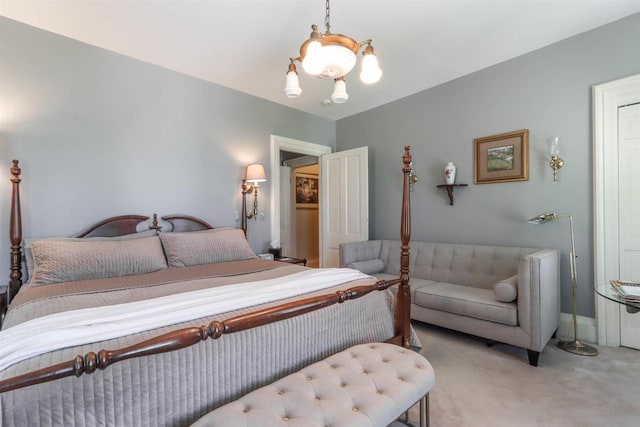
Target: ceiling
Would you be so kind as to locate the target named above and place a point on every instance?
(246, 45)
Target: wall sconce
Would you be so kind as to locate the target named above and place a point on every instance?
(413, 178)
(255, 174)
(556, 162)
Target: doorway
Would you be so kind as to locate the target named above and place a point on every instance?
(281, 148)
(616, 252)
(299, 214)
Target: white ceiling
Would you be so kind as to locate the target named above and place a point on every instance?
(246, 45)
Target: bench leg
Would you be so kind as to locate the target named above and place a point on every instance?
(424, 411)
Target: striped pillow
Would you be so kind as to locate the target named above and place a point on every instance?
(206, 247)
(57, 261)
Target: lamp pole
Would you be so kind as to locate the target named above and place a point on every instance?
(574, 346)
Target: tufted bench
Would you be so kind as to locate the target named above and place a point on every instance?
(368, 385)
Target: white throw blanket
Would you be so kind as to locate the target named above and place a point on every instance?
(78, 327)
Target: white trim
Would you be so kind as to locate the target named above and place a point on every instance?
(295, 146)
(607, 97)
(587, 328)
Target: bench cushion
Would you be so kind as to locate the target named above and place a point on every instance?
(467, 301)
(366, 385)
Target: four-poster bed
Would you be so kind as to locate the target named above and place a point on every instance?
(173, 373)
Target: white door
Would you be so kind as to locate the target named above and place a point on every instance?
(629, 213)
(344, 201)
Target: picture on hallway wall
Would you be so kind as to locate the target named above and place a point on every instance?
(502, 158)
(306, 191)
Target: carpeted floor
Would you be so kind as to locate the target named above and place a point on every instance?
(478, 385)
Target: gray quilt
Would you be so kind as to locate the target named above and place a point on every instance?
(177, 388)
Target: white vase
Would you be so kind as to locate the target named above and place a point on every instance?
(450, 173)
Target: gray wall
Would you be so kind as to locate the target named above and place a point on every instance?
(100, 134)
(548, 92)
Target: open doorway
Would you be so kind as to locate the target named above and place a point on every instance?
(283, 202)
(299, 214)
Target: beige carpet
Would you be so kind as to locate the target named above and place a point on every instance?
(477, 385)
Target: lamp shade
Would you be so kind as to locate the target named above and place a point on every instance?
(554, 146)
(339, 94)
(292, 88)
(543, 217)
(256, 173)
(371, 71)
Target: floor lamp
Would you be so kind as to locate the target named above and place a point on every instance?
(574, 346)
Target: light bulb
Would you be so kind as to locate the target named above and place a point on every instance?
(292, 87)
(371, 72)
(313, 62)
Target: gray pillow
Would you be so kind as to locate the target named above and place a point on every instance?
(57, 261)
(206, 247)
(506, 290)
(370, 266)
(28, 256)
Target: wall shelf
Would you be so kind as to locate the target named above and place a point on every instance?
(449, 188)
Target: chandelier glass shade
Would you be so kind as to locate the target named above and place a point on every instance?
(332, 56)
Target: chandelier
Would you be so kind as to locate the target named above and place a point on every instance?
(331, 56)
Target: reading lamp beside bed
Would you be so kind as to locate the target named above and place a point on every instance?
(190, 319)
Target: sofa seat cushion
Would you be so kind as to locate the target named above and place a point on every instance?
(413, 282)
(466, 301)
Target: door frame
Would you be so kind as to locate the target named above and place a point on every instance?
(607, 97)
(294, 146)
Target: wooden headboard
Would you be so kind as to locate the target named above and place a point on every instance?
(128, 224)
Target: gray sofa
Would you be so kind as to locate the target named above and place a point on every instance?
(506, 294)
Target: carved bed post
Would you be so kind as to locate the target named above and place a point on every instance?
(403, 313)
(15, 233)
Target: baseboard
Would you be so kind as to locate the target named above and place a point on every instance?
(587, 328)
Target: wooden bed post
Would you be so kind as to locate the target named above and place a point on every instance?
(403, 310)
(15, 233)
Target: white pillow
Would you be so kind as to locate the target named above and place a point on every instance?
(506, 290)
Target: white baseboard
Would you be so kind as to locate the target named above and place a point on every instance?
(587, 328)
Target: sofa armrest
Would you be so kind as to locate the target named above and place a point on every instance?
(539, 296)
(359, 251)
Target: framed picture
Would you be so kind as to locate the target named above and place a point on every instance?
(306, 191)
(502, 158)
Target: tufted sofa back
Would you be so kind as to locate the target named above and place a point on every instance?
(479, 266)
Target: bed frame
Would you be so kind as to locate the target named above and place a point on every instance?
(186, 337)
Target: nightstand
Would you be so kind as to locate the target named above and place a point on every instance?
(292, 260)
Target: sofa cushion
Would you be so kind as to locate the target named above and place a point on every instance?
(506, 290)
(466, 301)
(414, 283)
(480, 266)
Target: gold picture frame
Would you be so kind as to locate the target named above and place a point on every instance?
(502, 158)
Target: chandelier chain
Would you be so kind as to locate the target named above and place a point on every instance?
(326, 18)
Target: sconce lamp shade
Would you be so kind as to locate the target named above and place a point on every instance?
(554, 146)
(256, 173)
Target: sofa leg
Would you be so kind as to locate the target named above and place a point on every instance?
(533, 357)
